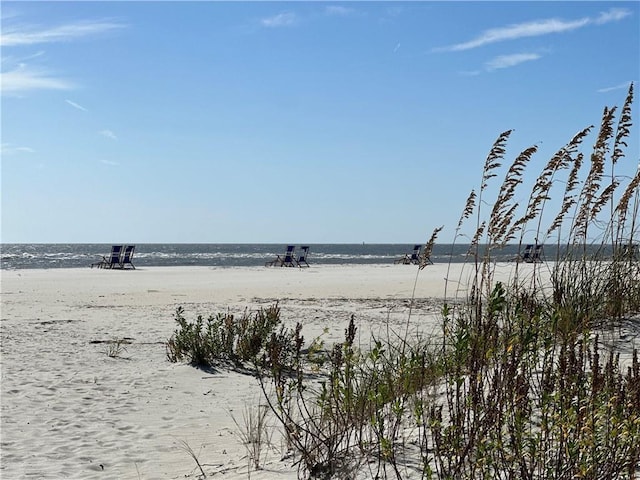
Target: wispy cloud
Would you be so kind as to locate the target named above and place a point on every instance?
(612, 15)
(11, 60)
(108, 134)
(25, 78)
(338, 10)
(109, 162)
(23, 35)
(617, 87)
(9, 149)
(75, 105)
(289, 19)
(284, 19)
(397, 47)
(18, 76)
(536, 28)
(507, 61)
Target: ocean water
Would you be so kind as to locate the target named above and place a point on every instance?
(74, 255)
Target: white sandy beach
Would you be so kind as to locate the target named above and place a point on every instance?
(71, 411)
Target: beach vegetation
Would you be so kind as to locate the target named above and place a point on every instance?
(224, 339)
(533, 377)
(116, 347)
(255, 433)
(527, 380)
(184, 445)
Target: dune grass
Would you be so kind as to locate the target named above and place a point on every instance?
(519, 383)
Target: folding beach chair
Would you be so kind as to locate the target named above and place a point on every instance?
(537, 253)
(301, 261)
(287, 260)
(127, 256)
(532, 254)
(112, 260)
(411, 258)
(525, 256)
(629, 251)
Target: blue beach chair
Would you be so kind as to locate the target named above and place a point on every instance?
(112, 260)
(411, 258)
(288, 260)
(532, 254)
(629, 251)
(127, 256)
(301, 261)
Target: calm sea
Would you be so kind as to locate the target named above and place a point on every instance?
(73, 255)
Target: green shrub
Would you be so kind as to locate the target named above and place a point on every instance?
(223, 338)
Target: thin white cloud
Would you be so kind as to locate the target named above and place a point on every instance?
(25, 78)
(624, 86)
(612, 15)
(513, 32)
(397, 47)
(284, 19)
(10, 60)
(9, 149)
(14, 36)
(535, 28)
(338, 10)
(108, 134)
(507, 61)
(109, 162)
(76, 105)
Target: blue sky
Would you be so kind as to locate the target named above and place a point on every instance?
(287, 122)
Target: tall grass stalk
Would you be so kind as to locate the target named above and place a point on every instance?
(254, 433)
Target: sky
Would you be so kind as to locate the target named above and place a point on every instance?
(290, 122)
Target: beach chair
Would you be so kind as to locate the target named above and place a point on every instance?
(112, 260)
(525, 256)
(411, 258)
(287, 260)
(532, 254)
(301, 261)
(629, 251)
(127, 256)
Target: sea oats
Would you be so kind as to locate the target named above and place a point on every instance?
(589, 193)
(540, 192)
(425, 256)
(623, 205)
(493, 159)
(624, 128)
(603, 199)
(540, 188)
(502, 212)
(477, 236)
(468, 208)
(569, 198)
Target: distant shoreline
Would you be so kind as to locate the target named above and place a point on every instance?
(29, 256)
